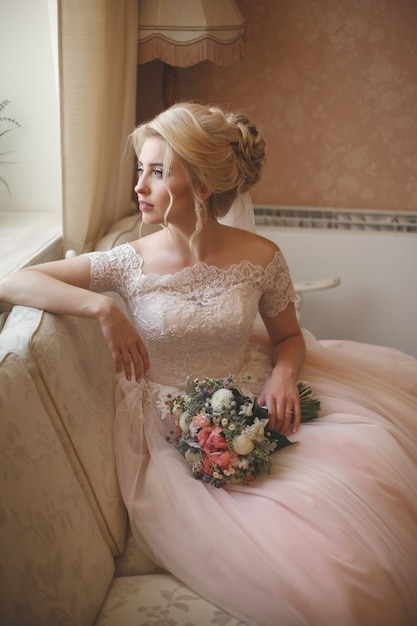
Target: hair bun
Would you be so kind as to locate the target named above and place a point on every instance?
(249, 150)
(221, 151)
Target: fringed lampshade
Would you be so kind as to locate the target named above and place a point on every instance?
(185, 32)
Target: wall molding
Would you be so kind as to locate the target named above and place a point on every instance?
(330, 218)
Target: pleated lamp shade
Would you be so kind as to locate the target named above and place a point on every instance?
(182, 33)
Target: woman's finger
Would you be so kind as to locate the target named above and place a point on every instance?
(139, 356)
(143, 355)
(127, 363)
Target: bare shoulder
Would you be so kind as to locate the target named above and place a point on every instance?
(255, 248)
(157, 255)
(148, 244)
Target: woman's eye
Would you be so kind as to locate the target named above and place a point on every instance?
(158, 172)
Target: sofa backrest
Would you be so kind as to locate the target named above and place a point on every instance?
(72, 371)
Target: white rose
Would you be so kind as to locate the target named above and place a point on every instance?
(242, 444)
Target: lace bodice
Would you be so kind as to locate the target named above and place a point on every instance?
(199, 320)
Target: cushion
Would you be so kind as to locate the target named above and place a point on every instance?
(159, 599)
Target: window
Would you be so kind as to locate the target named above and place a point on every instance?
(30, 215)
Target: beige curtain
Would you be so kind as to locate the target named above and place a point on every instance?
(97, 62)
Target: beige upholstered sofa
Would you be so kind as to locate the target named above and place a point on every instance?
(67, 557)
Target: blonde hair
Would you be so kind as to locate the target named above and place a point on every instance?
(220, 151)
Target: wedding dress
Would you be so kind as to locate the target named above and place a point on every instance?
(330, 536)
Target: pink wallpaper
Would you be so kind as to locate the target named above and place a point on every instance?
(333, 85)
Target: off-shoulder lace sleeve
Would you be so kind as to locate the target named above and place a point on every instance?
(113, 270)
(278, 289)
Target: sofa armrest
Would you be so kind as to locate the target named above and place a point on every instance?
(72, 370)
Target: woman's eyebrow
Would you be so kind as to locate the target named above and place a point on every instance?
(151, 164)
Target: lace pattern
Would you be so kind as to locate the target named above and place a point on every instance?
(117, 269)
(199, 319)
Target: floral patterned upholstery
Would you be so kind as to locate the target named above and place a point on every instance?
(72, 371)
(67, 556)
(159, 600)
(55, 564)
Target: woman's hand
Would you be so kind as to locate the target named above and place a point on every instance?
(124, 341)
(280, 396)
(62, 287)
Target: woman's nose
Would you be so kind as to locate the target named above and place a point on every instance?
(140, 187)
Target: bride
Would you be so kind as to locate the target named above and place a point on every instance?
(330, 535)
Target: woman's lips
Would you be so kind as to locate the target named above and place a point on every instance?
(144, 206)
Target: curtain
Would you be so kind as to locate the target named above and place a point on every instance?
(97, 42)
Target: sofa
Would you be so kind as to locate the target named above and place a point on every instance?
(67, 553)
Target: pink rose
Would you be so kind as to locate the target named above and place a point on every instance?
(211, 440)
(207, 466)
(201, 421)
(223, 459)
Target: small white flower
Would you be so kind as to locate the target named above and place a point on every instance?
(225, 421)
(221, 400)
(241, 463)
(269, 446)
(243, 444)
(246, 409)
(256, 432)
(177, 410)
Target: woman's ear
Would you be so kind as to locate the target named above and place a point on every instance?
(204, 192)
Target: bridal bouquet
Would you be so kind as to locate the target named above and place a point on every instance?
(224, 434)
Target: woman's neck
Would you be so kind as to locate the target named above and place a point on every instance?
(199, 247)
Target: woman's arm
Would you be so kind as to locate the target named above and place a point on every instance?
(280, 393)
(62, 287)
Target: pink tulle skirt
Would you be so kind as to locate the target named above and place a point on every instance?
(329, 537)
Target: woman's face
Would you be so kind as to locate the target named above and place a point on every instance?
(152, 193)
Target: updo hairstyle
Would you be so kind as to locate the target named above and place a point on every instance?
(220, 151)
